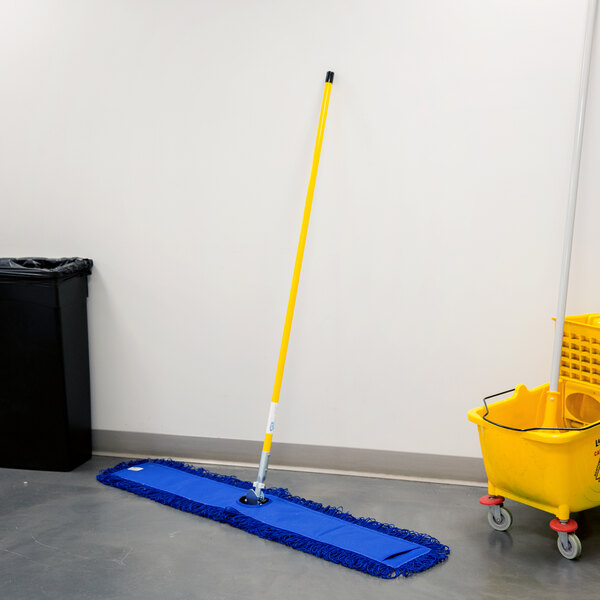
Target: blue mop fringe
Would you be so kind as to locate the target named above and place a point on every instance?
(438, 552)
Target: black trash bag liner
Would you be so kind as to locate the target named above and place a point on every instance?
(43, 268)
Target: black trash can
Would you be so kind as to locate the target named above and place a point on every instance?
(44, 363)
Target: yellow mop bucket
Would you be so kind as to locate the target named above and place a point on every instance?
(541, 447)
(555, 469)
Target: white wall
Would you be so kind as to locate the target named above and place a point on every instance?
(171, 142)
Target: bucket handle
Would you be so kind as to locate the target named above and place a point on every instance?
(487, 412)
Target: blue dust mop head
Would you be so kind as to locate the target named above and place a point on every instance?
(375, 548)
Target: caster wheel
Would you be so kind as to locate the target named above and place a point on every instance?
(571, 548)
(499, 518)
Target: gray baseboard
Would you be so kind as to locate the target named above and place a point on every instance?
(352, 460)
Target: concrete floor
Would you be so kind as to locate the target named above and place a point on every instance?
(66, 536)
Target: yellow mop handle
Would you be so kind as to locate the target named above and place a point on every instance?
(299, 255)
(298, 265)
(264, 459)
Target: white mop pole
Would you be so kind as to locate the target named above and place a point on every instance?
(570, 223)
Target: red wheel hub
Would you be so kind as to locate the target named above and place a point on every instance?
(569, 527)
(488, 500)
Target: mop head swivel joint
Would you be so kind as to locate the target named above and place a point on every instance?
(252, 498)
